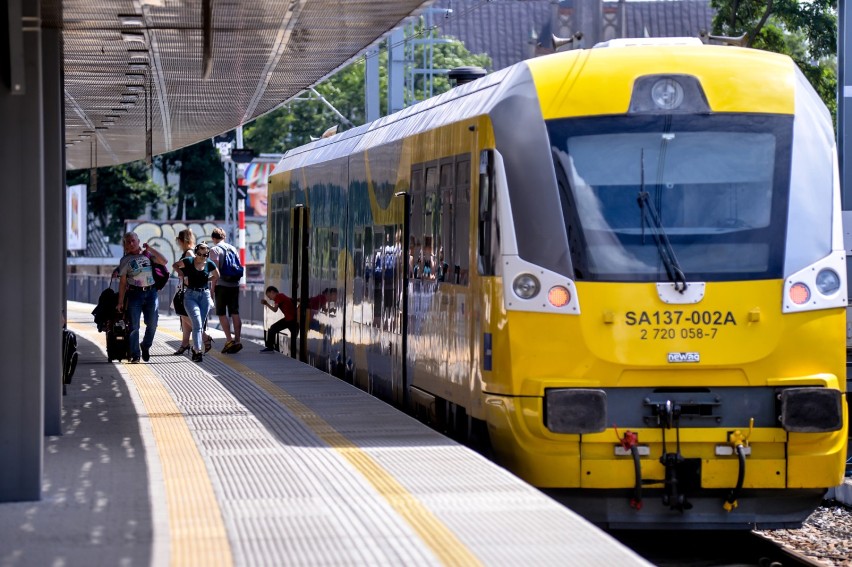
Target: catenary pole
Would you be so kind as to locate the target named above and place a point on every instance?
(844, 101)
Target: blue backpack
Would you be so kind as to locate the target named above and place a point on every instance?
(230, 268)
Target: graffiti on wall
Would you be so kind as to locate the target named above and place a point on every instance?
(162, 236)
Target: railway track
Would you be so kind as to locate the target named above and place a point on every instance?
(711, 549)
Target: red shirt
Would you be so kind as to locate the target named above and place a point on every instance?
(317, 302)
(285, 304)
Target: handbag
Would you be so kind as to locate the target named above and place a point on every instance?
(177, 302)
(160, 272)
(161, 275)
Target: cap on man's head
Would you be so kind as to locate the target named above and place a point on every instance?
(218, 233)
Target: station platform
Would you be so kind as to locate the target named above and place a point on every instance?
(258, 459)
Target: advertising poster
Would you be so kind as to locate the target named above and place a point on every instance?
(256, 180)
(76, 217)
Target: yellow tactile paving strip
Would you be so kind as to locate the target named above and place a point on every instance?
(440, 539)
(197, 532)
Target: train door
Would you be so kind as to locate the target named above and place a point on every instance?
(399, 299)
(300, 275)
(415, 293)
(388, 272)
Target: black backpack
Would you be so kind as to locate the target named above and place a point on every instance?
(104, 311)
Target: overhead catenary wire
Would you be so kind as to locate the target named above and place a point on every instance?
(449, 15)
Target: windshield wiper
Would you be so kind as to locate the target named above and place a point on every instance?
(664, 247)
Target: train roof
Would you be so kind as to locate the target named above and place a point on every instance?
(426, 115)
(734, 79)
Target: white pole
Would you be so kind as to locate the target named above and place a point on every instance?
(241, 237)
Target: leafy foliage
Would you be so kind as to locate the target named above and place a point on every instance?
(806, 31)
(123, 192)
(297, 121)
(200, 194)
(126, 191)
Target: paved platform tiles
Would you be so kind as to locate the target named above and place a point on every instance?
(257, 459)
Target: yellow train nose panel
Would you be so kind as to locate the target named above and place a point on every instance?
(735, 325)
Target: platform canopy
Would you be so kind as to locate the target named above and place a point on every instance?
(192, 69)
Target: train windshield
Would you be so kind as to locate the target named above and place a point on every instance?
(718, 185)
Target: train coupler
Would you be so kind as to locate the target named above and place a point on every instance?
(674, 496)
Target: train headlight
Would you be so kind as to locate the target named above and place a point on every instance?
(827, 281)
(526, 286)
(667, 94)
(559, 296)
(799, 293)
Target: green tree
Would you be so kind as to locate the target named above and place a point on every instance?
(126, 191)
(806, 31)
(122, 192)
(200, 193)
(445, 56)
(299, 120)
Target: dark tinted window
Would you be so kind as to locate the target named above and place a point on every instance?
(717, 183)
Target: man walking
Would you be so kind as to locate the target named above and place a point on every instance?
(227, 294)
(136, 284)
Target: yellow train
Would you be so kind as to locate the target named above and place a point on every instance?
(623, 263)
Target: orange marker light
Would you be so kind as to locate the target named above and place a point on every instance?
(799, 293)
(559, 296)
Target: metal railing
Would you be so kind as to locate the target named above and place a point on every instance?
(88, 288)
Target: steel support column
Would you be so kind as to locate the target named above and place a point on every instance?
(396, 70)
(371, 85)
(22, 231)
(54, 227)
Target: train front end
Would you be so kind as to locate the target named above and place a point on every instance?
(687, 369)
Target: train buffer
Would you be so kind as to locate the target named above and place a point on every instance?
(254, 459)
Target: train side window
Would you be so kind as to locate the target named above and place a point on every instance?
(272, 228)
(485, 255)
(358, 254)
(461, 243)
(444, 253)
(425, 264)
(415, 228)
(333, 253)
(368, 252)
(279, 234)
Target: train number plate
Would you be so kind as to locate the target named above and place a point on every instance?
(679, 324)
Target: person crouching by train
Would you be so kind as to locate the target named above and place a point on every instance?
(289, 322)
(199, 273)
(186, 240)
(136, 285)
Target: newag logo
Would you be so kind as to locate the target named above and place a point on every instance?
(678, 357)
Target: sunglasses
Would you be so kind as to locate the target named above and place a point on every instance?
(204, 255)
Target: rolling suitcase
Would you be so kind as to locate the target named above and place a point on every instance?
(118, 340)
(114, 323)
